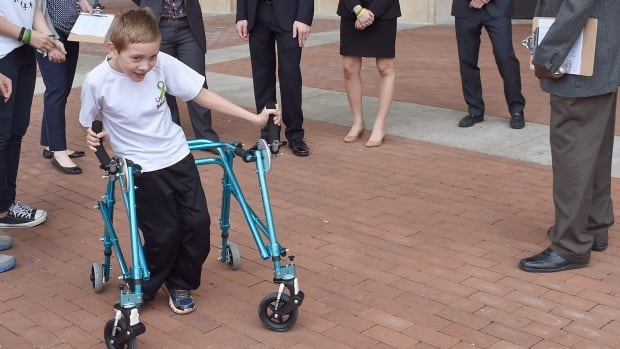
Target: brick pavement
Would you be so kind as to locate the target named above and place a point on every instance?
(410, 245)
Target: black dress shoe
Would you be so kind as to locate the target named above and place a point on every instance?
(517, 121)
(470, 120)
(48, 154)
(547, 262)
(299, 147)
(599, 246)
(67, 170)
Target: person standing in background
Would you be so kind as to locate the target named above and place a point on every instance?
(22, 30)
(286, 23)
(582, 126)
(183, 36)
(494, 17)
(61, 15)
(368, 29)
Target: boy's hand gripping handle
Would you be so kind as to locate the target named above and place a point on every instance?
(102, 155)
(273, 132)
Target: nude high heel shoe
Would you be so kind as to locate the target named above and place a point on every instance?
(374, 144)
(354, 138)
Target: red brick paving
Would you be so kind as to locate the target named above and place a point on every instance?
(410, 245)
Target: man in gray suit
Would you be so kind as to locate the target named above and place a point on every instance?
(183, 36)
(470, 16)
(583, 111)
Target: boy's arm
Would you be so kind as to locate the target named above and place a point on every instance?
(213, 101)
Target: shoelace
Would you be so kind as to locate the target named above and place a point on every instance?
(21, 210)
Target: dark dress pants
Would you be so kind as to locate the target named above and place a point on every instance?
(468, 32)
(263, 38)
(582, 139)
(178, 41)
(21, 67)
(58, 79)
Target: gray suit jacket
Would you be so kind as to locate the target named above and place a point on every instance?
(571, 16)
(194, 18)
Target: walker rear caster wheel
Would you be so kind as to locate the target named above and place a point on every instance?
(233, 257)
(96, 277)
(117, 341)
(267, 312)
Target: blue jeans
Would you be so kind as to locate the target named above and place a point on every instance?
(20, 66)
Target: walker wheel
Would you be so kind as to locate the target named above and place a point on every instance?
(233, 257)
(96, 277)
(114, 341)
(269, 317)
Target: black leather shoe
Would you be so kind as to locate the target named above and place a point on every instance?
(547, 262)
(299, 147)
(67, 170)
(48, 154)
(517, 121)
(470, 120)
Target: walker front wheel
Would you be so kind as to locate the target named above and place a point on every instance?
(118, 340)
(268, 312)
(96, 277)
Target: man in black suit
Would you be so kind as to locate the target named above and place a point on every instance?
(494, 16)
(287, 23)
(183, 36)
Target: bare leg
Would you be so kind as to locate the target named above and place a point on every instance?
(387, 79)
(352, 67)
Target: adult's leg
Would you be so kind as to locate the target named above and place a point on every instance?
(263, 56)
(352, 66)
(189, 52)
(289, 76)
(500, 33)
(387, 80)
(468, 32)
(578, 135)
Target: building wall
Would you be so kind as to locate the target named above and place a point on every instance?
(414, 11)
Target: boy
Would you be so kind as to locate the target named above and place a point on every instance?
(128, 92)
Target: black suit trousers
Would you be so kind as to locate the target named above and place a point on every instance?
(468, 37)
(265, 34)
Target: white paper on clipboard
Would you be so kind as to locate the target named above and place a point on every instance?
(91, 28)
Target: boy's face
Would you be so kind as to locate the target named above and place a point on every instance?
(136, 60)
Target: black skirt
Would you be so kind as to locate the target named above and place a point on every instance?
(377, 40)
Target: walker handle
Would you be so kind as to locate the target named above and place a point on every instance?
(102, 155)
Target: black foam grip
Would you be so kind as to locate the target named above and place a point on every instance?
(102, 155)
(273, 131)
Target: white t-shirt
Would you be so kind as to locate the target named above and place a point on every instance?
(136, 115)
(20, 13)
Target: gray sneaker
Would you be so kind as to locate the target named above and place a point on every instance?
(22, 216)
(6, 262)
(5, 242)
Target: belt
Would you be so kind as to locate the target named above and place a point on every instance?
(267, 1)
(174, 18)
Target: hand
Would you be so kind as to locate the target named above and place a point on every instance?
(301, 31)
(242, 29)
(366, 19)
(544, 73)
(263, 117)
(478, 4)
(6, 87)
(56, 56)
(94, 139)
(85, 6)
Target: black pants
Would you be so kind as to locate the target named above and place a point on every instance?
(174, 220)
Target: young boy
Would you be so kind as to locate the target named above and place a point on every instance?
(128, 93)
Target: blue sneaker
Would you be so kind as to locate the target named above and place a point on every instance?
(6, 262)
(5, 242)
(180, 301)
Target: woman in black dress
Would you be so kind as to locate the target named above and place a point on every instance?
(368, 29)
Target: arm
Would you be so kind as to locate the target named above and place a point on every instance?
(213, 101)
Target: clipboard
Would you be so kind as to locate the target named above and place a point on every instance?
(580, 60)
(91, 28)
